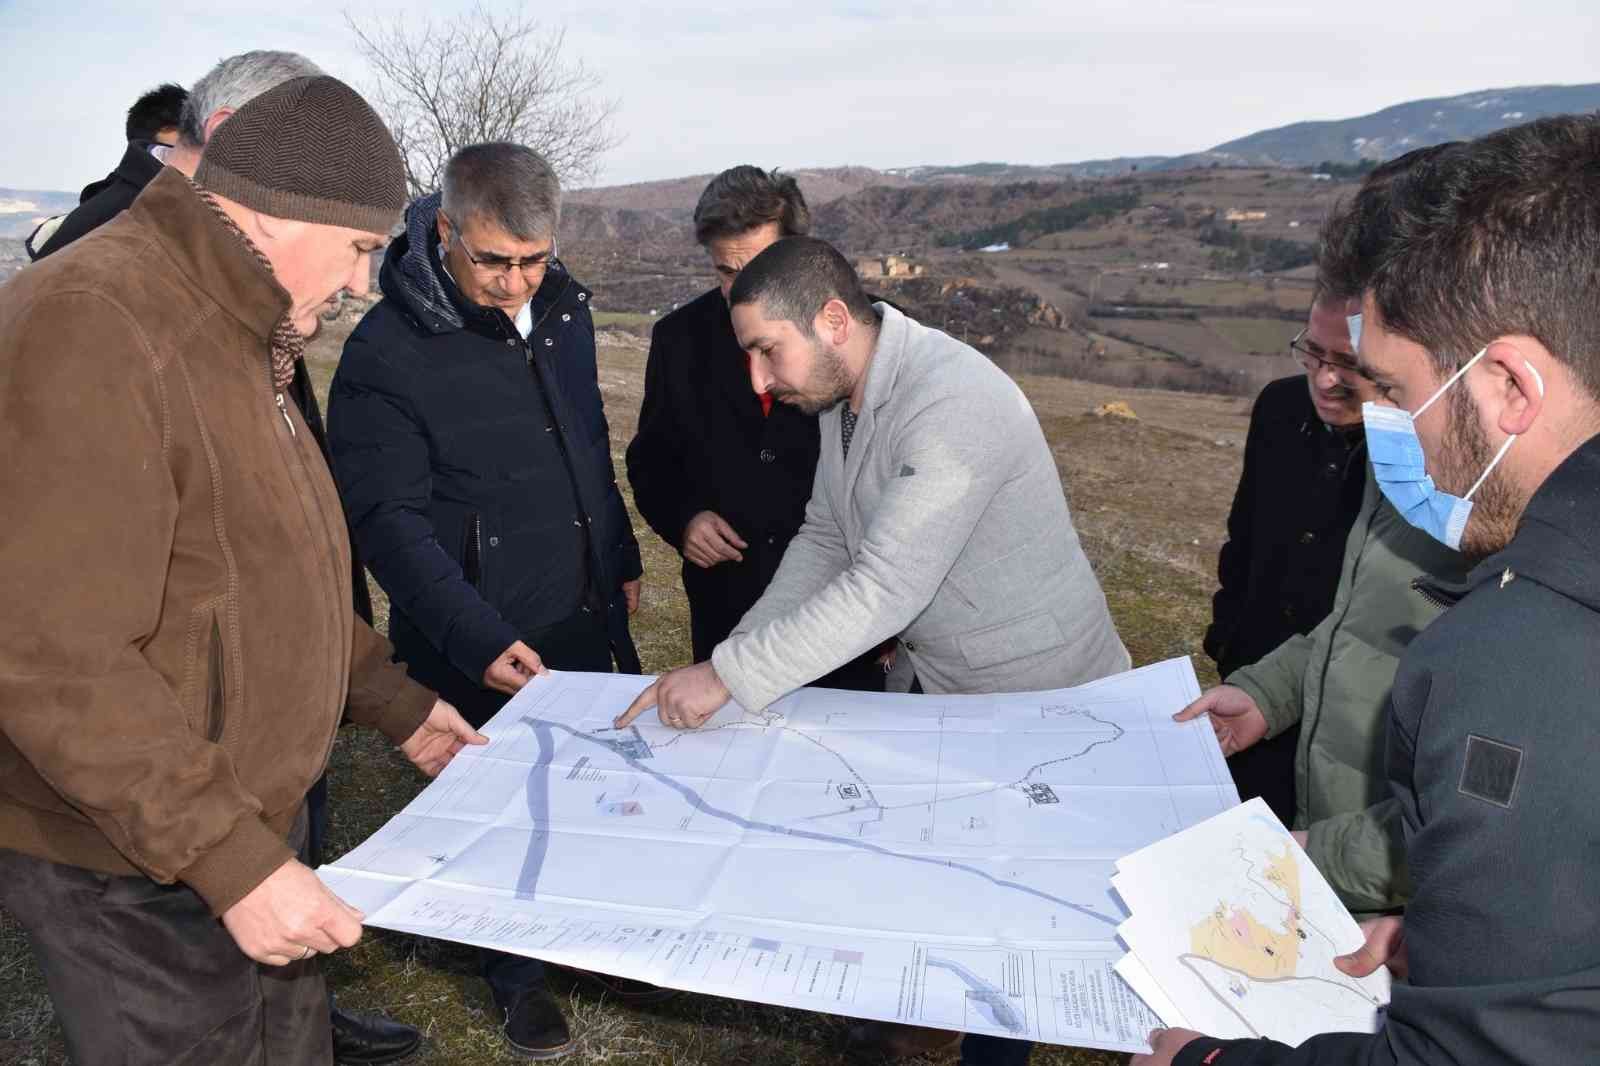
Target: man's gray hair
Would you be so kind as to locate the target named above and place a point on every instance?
(507, 185)
(233, 83)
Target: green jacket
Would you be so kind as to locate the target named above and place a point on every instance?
(1335, 682)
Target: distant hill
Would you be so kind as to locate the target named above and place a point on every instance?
(820, 185)
(1381, 135)
(1398, 129)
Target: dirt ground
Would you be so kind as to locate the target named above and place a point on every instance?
(1149, 498)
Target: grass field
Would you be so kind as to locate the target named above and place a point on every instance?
(1149, 499)
(629, 320)
(1256, 336)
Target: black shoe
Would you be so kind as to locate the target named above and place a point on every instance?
(369, 1039)
(535, 1027)
(626, 989)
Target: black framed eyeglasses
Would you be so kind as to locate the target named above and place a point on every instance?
(1315, 361)
(494, 266)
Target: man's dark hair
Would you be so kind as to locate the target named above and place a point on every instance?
(742, 198)
(795, 277)
(1348, 248)
(159, 109)
(1499, 237)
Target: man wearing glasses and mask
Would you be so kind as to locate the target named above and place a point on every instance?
(471, 449)
(1304, 471)
(1332, 682)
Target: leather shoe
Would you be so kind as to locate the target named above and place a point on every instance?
(369, 1039)
(892, 1040)
(535, 1026)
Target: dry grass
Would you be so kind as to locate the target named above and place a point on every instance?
(1149, 499)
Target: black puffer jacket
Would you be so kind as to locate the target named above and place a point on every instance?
(476, 468)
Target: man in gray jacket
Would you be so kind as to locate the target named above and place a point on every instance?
(937, 514)
(937, 517)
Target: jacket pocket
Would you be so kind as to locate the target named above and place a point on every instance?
(1017, 639)
(216, 686)
(979, 586)
(472, 550)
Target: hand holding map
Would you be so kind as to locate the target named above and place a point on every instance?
(1235, 933)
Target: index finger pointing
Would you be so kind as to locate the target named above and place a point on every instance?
(641, 703)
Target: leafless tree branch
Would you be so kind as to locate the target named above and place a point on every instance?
(486, 77)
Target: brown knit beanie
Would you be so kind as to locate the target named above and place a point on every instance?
(310, 149)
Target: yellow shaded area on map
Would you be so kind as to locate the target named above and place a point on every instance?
(1234, 937)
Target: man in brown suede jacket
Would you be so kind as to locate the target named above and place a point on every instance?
(177, 644)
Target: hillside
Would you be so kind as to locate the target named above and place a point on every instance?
(916, 217)
(1396, 130)
(820, 185)
(1187, 280)
(1181, 272)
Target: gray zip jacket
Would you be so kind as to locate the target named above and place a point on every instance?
(946, 527)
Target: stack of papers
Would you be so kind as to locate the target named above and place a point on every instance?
(1233, 933)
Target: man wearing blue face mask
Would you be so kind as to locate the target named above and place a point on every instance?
(1400, 464)
(1479, 326)
(1334, 681)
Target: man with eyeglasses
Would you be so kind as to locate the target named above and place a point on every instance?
(1304, 471)
(472, 452)
(1333, 682)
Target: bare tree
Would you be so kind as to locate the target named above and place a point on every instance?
(483, 77)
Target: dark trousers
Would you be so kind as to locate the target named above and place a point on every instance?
(979, 1049)
(142, 974)
(581, 643)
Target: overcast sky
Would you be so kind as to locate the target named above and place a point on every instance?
(705, 86)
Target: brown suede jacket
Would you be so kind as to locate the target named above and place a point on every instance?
(177, 643)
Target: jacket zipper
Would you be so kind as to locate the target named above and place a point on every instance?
(472, 552)
(308, 492)
(283, 409)
(477, 546)
(595, 557)
(1432, 598)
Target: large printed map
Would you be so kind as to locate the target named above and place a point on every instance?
(941, 860)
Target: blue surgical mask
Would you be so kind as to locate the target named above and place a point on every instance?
(1401, 468)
